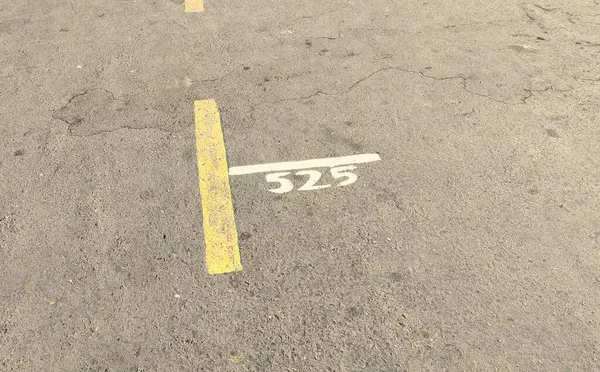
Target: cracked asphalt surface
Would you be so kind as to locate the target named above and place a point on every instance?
(474, 245)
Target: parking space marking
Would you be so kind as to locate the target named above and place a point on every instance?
(220, 233)
(304, 164)
(192, 6)
(341, 169)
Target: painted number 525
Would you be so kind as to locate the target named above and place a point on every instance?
(285, 185)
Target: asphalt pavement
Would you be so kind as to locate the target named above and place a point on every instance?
(470, 241)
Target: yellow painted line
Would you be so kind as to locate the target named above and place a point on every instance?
(220, 233)
(194, 6)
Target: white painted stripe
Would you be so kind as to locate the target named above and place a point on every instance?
(303, 164)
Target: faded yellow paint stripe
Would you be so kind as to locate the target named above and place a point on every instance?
(194, 6)
(220, 232)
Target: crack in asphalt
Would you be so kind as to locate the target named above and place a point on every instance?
(498, 21)
(464, 85)
(383, 69)
(71, 123)
(125, 127)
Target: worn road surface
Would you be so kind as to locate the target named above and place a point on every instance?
(473, 245)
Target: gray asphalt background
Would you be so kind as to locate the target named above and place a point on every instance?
(474, 245)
